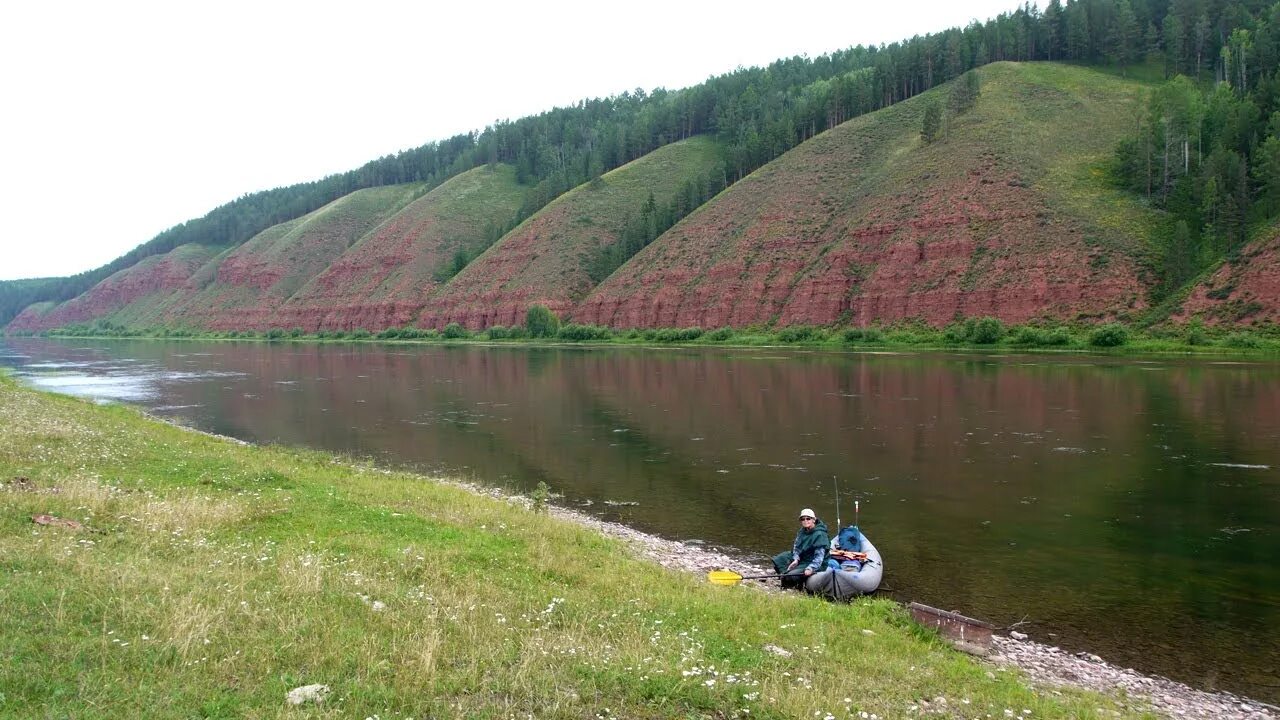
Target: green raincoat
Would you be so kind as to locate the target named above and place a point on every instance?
(810, 548)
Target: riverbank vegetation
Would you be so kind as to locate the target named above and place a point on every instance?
(986, 333)
(182, 574)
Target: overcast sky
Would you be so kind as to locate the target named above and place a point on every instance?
(121, 119)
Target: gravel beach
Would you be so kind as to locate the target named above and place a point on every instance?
(1047, 666)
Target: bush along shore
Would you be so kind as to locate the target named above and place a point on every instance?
(151, 571)
(985, 333)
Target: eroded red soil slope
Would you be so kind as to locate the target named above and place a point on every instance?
(866, 223)
(157, 275)
(384, 280)
(1244, 291)
(545, 260)
(250, 284)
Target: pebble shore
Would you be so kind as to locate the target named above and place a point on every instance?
(1047, 666)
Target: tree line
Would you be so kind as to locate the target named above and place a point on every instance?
(1207, 146)
(758, 112)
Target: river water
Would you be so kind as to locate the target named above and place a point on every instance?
(1128, 508)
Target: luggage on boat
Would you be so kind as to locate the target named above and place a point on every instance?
(846, 577)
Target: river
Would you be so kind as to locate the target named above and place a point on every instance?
(1128, 508)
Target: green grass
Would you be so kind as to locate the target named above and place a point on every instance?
(214, 577)
(1075, 154)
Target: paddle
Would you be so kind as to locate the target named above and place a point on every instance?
(729, 577)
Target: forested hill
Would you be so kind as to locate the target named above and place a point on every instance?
(759, 113)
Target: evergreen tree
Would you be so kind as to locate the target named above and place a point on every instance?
(1077, 31)
(1122, 40)
(932, 123)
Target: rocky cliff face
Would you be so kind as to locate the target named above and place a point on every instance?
(158, 275)
(866, 223)
(1246, 290)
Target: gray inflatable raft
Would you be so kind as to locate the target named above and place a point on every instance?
(843, 584)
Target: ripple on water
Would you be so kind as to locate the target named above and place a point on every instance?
(1242, 466)
(132, 388)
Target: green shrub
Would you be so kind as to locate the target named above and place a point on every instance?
(360, 334)
(540, 322)
(274, 334)
(516, 332)
(796, 333)
(959, 332)
(676, 335)
(987, 331)
(1057, 337)
(1109, 335)
(541, 494)
(296, 332)
(863, 335)
(1241, 340)
(1032, 336)
(389, 334)
(720, 334)
(497, 332)
(581, 333)
(1027, 335)
(454, 331)
(1195, 334)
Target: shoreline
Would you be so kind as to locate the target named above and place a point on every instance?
(1046, 665)
(1139, 348)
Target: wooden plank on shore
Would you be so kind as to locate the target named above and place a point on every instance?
(966, 633)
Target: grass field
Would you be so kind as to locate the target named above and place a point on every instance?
(210, 578)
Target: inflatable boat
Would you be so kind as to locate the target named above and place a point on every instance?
(847, 584)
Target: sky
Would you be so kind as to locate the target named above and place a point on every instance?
(122, 119)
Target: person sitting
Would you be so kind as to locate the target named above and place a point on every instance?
(808, 553)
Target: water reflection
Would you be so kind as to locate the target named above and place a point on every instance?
(1126, 508)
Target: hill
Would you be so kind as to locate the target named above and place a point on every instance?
(548, 258)
(1245, 289)
(385, 278)
(1003, 215)
(153, 281)
(244, 288)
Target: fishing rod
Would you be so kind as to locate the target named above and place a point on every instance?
(837, 484)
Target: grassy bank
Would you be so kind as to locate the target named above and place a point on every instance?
(210, 578)
(972, 334)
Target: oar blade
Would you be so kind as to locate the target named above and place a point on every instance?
(724, 577)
